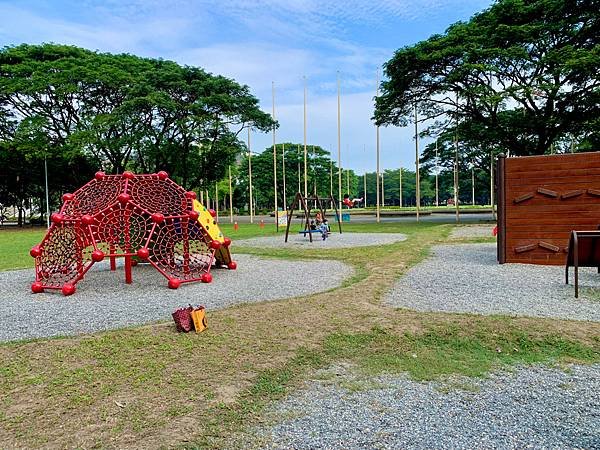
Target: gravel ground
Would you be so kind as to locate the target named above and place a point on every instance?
(103, 300)
(534, 407)
(467, 278)
(335, 240)
(472, 231)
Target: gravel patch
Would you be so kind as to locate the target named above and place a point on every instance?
(103, 301)
(467, 278)
(534, 407)
(472, 231)
(335, 240)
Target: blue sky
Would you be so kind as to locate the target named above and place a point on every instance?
(260, 42)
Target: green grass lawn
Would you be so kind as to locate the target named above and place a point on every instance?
(15, 245)
(148, 386)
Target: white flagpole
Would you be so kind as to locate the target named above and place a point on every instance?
(400, 187)
(417, 174)
(217, 199)
(330, 177)
(274, 160)
(47, 199)
(283, 175)
(437, 171)
(377, 147)
(382, 190)
(250, 178)
(339, 146)
(230, 198)
(305, 151)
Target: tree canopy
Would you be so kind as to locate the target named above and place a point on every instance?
(520, 76)
(122, 112)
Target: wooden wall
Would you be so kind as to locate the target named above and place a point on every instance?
(540, 200)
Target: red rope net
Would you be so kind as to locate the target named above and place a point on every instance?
(148, 216)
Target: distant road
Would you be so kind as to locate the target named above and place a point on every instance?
(437, 218)
(362, 218)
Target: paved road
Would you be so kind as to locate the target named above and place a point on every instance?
(437, 218)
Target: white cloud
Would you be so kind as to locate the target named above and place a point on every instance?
(114, 34)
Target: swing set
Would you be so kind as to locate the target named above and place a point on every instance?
(305, 204)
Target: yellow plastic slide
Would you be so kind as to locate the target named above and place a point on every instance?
(213, 233)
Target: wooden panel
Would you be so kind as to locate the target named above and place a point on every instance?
(544, 198)
(560, 176)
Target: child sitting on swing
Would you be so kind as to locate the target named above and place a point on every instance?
(324, 229)
(318, 219)
(351, 203)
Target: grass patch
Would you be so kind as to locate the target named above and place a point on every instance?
(590, 293)
(204, 388)
(15, 245)
(448, 350)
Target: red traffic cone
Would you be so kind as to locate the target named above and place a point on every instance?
(236, 226)
(262, 224)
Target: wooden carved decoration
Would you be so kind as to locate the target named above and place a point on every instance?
(547, 192)
(594, 192)
(524, 197)
(548, 246)
(525, 248)
(572, 194)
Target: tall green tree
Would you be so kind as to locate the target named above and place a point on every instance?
(320, 169)
(125, 112)
(522, 74)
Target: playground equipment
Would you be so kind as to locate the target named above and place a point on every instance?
(305, 202)
(148, 216)
(541, 199)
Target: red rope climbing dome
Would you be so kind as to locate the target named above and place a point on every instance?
(148, 216)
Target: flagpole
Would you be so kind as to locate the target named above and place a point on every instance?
(299, 180)
(339, 139)
(417, 174)
(217, 200)
(437, 172)
(250, 178)
(230, 198)
(348, 181)
(377, 147)
(365, 190)
(314, 171)
(330, 177)
(456, 197)
(492, 185)
(382, 189)
(473, 184)
(400, 187)
(47, 200)
(365, 181)
(274, 160)
(305, 150)
(283, 175)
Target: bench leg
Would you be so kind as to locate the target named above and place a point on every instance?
(576, 282)
(567, 275)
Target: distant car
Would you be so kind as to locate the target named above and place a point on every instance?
(450, 202)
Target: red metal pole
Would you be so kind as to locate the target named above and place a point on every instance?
(113, 260)
(128, 277)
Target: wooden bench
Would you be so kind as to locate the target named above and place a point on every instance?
(583, 251)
